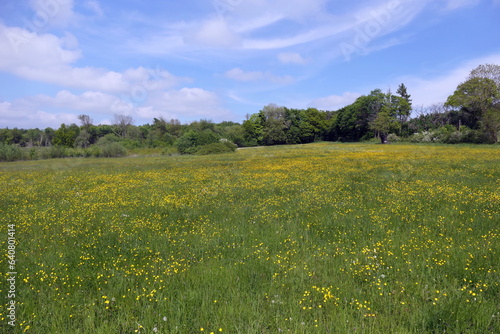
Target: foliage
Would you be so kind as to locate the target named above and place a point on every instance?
(66, 135)
(224, 146)
(10, 152)
(113, 150)
(480, 96)
(190, 141)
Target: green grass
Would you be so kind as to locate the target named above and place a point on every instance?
(319, 238)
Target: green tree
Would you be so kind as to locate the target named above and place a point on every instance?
(403, 105)
(66, 135)
(386, 120)
(252, 130)
(48, 136)
(352, 122)
(275, 124)
(235, 133)
(488, 71)
(83, 139)
(481, 98)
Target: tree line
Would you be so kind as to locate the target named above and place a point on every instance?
(470, 115)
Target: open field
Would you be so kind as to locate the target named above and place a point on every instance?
(319, 238)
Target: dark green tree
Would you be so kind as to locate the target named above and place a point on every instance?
(403, 105)
(66, 135)
(252, 130)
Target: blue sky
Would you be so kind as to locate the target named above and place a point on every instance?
(224, 59)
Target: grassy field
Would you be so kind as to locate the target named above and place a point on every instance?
(320, 238)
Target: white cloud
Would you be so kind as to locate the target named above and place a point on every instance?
(213, 33)
(44, 58)
(291, 58)
(22, 48)
(19, 115)
(240, 75)
(91, 101)
(334, 102)
(43, 110)
(186, 103)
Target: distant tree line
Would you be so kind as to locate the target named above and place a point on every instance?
(470, 115)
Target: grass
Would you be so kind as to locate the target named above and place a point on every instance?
(320, 238)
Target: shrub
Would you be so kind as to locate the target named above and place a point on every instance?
(170, 150)
(107, 139)
(113, 150)
(10, 152)
(56, 152)
(191, 141)
(33, 154)
(74, 152)
(217, 148)
(392, 138)
(92, 151)
(187, 143)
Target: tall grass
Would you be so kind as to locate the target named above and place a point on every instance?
(320, 238)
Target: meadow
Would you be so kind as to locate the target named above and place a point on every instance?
(318, 238)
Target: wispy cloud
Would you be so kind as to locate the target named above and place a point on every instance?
(291, 58)
(240, 75)
(213, 33)
(334, 102)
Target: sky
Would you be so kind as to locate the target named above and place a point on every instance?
(222, 60)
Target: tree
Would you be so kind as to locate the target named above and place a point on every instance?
(48, 136)
(386, 119)
(252, 130)
(488, 71)
(83, 139)
(403, 104)
(86, 121)
(274, 124)
(122, 122)
(403, 92)
(66, 135)
(479, 97)
(353, 121)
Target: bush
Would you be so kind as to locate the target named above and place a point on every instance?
(170, 150)
(56, 152)
(217, 148)
(113, 150)
(107, 139)
(10, 152)
(392, 138)
(92, 151)
(192, 141)
(74, 152)
(450, 135)
(187, 143)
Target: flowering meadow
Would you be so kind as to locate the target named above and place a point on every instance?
(318, 238)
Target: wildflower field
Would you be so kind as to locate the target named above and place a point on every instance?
(319, 238)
